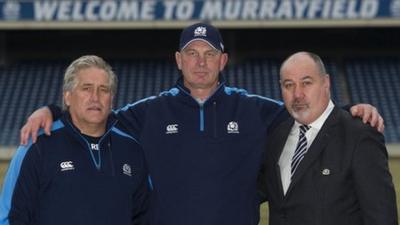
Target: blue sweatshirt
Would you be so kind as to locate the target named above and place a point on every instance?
(203, 158)
(60, 180)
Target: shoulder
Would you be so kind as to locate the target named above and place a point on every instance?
(118, 132)
(43, 140)
(354, 126)
(242, 93)
(150, 100)
(136, 104)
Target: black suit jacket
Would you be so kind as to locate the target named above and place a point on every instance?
(343, 179)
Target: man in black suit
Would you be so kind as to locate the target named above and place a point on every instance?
(323, 166)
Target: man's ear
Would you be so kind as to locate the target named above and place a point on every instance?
(178, 59)
(327, 82)
(223, 61)
(67, 96)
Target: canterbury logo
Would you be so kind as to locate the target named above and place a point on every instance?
(172, 129)
(67, 165)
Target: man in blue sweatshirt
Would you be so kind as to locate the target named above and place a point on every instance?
(203, 141)
(88, 171)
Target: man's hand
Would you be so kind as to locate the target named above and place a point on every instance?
(41, 118)
(369, 114)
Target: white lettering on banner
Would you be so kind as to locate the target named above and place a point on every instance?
(45, 10)
(76, 13)
(89, 12)
(145, 10)
(108, 11)
(148, 10)
(284, 10)
(267, 9)
(301, 6)
(325, 10)
(351, 9)
(184, 10)
(369, 9)
(232, 9)
(128, 11)
(69, 10)
(212, 10)
(169, 9)
(250, 10)
(395, 8)
(314, 8)
(64, 11)
(337, 9)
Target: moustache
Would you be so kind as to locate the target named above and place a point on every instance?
(299, 105)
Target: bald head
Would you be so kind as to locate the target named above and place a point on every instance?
(319, 65)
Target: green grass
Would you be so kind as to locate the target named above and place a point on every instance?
(393, 163)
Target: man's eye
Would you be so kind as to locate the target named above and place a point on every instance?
(105, 90)
(191, 53)
(211, 54)
(288, 85)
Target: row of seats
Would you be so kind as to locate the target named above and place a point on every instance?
(26, 86)
(376, 81)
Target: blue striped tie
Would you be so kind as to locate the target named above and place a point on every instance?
(301, 148)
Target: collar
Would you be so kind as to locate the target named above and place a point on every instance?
(319, 122)
(180, 85)
(66, 119)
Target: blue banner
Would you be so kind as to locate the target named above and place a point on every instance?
(183, 10)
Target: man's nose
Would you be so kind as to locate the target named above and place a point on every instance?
(95, 95)
(201, 60)
(298, 92)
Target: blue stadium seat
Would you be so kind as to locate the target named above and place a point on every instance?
(26, 86)
(376, 81)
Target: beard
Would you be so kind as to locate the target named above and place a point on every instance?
(300, 111)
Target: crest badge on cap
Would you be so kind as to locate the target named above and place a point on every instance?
(203, 32)
(200, 31)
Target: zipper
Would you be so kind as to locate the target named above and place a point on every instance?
(111, 158)
(201, 106)
(201, 117)
(96, 163)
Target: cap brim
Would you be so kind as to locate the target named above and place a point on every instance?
(200, 39)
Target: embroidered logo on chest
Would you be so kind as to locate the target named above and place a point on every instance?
(67, 165)
(233, 127)
(94, 146)
(172, 129)
(127, 170)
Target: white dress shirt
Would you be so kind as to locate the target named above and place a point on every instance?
(291, 142)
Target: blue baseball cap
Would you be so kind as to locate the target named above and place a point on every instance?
(203, 32)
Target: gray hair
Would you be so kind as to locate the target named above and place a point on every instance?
(85, 62)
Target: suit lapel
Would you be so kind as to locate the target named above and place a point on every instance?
(319, 144)
(278, 142)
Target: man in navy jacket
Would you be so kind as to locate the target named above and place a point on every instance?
(88, 171)
(203, 140)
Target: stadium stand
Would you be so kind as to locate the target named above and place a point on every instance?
(377, 81)
(26, 86)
